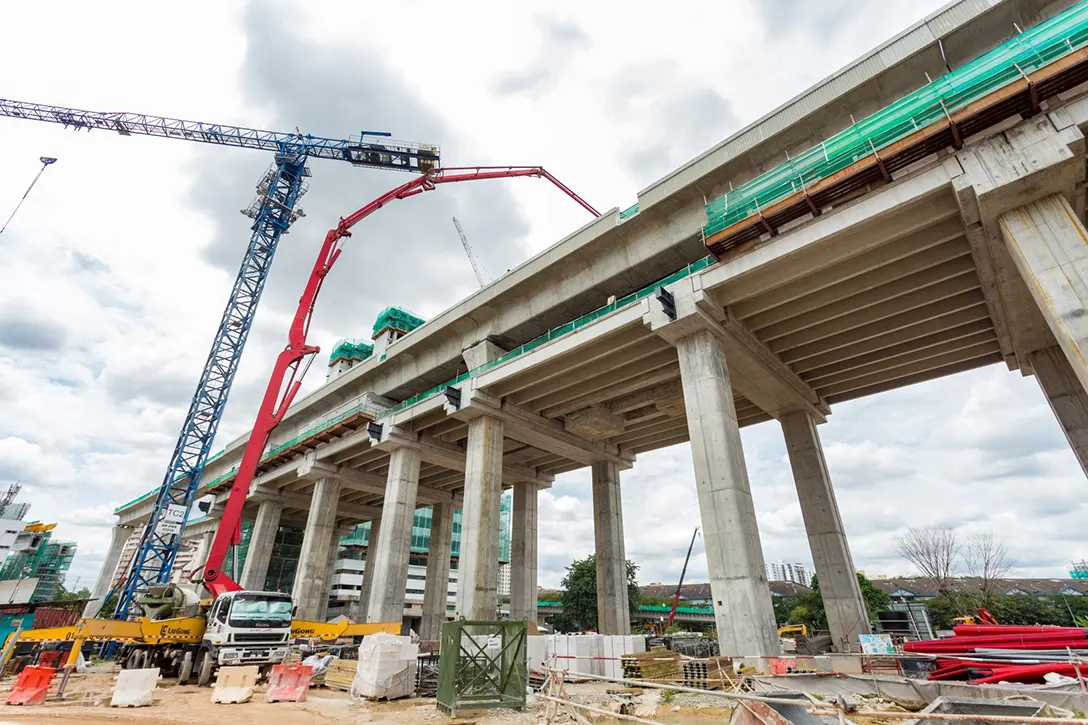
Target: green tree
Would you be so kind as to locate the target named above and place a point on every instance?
(808, 609)
(782, 608)
(876, 600)
(647, 601)
(580, 594)
(941, 612)
(65, 595)
(1024, 609)
(108, 606)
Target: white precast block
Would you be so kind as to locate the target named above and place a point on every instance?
(583, 648)
(135, 688)
(386, 669)
(537, 651)
(614, 648)
(597, 648)
(562, 651)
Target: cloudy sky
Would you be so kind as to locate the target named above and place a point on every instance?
(115, 271)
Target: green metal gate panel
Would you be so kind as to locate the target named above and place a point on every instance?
(482, 665)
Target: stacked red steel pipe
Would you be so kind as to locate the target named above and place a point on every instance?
(994, 653)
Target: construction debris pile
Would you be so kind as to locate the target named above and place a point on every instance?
(987, 654)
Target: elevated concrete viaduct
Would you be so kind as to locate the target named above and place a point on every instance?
(624, 338)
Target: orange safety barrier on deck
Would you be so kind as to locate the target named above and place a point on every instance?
(289, 683)
(32, 686)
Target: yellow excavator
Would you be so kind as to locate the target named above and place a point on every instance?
(790, 630)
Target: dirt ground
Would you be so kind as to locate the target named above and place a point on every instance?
(87, 696)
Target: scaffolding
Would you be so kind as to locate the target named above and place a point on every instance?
(395, 318)
(351, 349)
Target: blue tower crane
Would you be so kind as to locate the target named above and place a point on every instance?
(273, 211)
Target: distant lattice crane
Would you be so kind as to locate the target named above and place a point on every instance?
(9, 498)
(477, 266)
(273, 212)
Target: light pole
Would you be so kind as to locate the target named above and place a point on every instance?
(22, 575)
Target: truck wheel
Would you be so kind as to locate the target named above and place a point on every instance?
(185, 671)
(204, 675)
(136, 661)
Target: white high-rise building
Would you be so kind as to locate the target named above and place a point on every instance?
(781, 571)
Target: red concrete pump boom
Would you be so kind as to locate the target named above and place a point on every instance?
(286, 377)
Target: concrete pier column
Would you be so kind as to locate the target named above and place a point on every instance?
(120, 535)
(523, 552)
(395, 537)
(613, 604)
(738, 580)
(261, 542)
(362, 604)
(1049, 247)
(478, 569)
(334, 554)
(436, 589)
(846, 615)
(1066, 397)
(312, 575)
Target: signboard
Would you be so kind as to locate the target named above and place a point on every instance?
(876, 644)
(172, 519)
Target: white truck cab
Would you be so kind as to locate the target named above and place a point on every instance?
(245, 628)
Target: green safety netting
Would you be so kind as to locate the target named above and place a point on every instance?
(629, 211)
(647, 608)
(351, 349)
(1005, 64)
(48, 562)
(398, 319)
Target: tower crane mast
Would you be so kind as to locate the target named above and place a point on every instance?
(273, 211)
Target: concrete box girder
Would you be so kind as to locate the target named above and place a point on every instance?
(810, 373)
(921, 377)
(925, 247)
(888, 310)
(537, 431)
(884, 326)
(895, 212)
(831, 352)
(576, 359)
(891, 296)
(923, 364)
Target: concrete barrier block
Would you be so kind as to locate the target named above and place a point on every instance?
(235, 684)
(135, 688)
(31, 687)
(288, 683)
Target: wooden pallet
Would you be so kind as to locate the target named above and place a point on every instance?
(340, 674)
